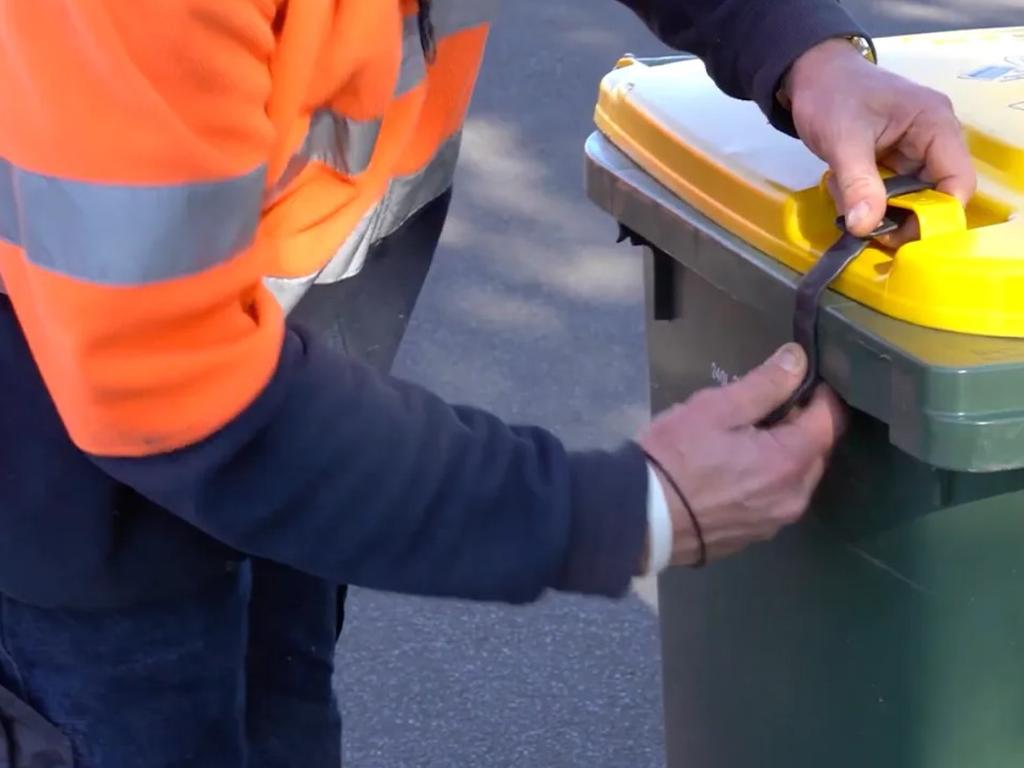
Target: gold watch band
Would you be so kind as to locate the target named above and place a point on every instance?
(865, 47)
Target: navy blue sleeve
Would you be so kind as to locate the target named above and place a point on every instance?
(363, 479)
(747, 45)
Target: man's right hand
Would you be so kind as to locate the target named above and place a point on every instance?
(743, 483)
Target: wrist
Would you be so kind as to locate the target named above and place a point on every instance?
(820, 61)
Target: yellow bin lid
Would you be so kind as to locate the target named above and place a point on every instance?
(720, 156)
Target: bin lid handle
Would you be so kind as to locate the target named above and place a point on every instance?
(813, 284)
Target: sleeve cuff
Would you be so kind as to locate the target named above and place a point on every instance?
(659, 526)
(609, 521)
(818, 21)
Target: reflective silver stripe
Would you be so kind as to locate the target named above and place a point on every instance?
(354, 250)
(404, 198)
(289, 290)
(132, 235)
(8, 209)
(448, 18)
(414, 64)
(296, 165)
(407, 194)
(451, 16)
(341, 143)
(346, 145)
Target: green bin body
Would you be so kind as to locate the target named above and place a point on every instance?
(887, 629)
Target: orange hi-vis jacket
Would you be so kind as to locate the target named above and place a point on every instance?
(173, 174)
(179, 174)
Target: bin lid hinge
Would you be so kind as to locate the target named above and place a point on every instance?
(625, 233)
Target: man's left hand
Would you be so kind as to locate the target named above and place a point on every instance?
(855, 115)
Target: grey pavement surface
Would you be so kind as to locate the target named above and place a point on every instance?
(531, 310)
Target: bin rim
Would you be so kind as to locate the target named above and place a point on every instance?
(947, 399)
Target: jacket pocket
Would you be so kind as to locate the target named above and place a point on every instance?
(27, 739)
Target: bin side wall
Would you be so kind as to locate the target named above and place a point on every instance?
(885, 631)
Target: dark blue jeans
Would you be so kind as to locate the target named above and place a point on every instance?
(240, 674)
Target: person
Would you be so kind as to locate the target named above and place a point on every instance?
(190, 471)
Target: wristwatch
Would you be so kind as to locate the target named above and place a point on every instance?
(863, 45)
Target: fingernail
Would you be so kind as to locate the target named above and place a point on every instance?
(858, 215)
(788, 358)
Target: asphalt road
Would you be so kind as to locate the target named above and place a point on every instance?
(533, 312)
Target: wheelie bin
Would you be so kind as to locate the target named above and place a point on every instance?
(887, 629)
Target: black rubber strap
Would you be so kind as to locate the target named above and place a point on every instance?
(819, 277)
